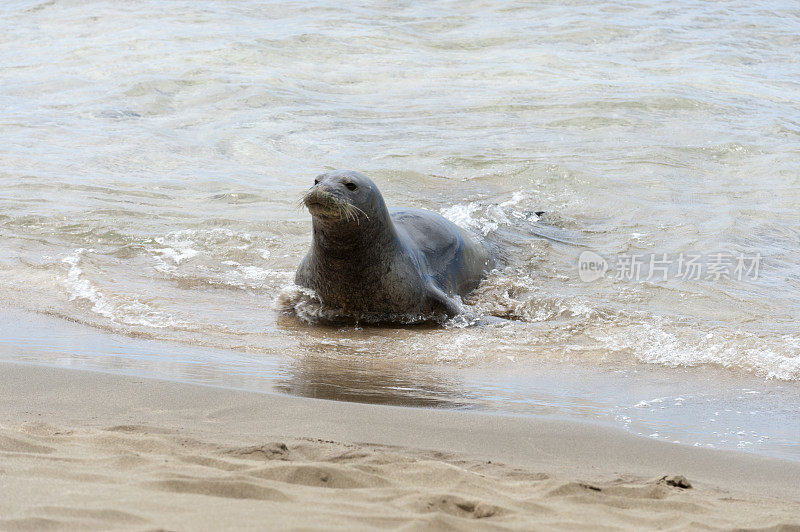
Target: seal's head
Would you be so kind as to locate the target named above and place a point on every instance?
(343, 197)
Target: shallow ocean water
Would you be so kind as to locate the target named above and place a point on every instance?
(153, 155)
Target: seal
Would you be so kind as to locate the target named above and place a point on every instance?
(385, 264)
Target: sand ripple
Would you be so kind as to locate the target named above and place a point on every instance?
(138, 476)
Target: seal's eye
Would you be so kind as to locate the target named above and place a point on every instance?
(316, 181)
(351, 186)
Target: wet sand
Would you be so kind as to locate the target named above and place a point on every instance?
(84, 450)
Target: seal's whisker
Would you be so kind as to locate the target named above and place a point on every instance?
(343, 209)
(348, 211)
(359, 210)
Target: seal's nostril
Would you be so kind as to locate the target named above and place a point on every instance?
(316, 181)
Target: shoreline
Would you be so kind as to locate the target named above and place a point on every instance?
(720, 411)
(47, 412)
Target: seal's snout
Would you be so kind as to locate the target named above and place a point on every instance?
(318, 198)
(325, 202)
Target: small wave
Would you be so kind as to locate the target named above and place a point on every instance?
(242, 276)
(510, 225)
(653, 342)
(486, 218)
(306, 305)
(514, 294)
(217, 257)
(130, 313)
(176, 256)
(179, 246)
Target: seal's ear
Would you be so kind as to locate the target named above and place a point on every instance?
(439, 300)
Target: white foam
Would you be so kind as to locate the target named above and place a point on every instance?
(516, 198)
(307, 305)
(457, 349)
(126, 312)
(218, 247)
(253, 276)
(83, 289)
(177, 256)
(653, 343)
(461, 214)
(261, 274)
(485, 218)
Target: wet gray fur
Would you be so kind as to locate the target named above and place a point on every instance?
(367, 259)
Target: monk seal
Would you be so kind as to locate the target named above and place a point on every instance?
(385, 264)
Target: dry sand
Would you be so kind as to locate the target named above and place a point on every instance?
(85, 450)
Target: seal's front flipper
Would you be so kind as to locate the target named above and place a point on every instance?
(440, 302)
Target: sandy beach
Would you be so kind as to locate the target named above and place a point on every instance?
(83, 450)
(630, 359)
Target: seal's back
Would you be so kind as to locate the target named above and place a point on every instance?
(455, 259)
